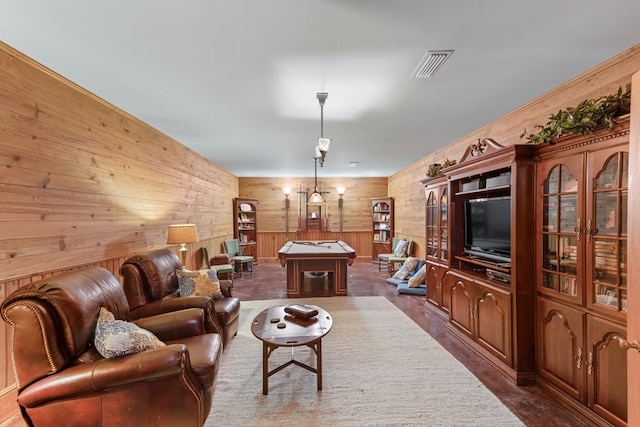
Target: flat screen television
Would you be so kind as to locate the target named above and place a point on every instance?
(487, 228)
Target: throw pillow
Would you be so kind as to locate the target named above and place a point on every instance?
(407, 267)
(401, 248)
(199, 283)
(418, 278)
(118, 337)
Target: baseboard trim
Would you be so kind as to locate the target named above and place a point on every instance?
(577, 408)
(519, 378)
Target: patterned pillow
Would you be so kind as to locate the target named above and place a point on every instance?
(199, 283)
(407, 267)
(418, 278)
(118, 337)
(401, 248)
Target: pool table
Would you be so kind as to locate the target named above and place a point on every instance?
(330, 256)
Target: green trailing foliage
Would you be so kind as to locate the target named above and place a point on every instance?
(436, 168)
(589, 115)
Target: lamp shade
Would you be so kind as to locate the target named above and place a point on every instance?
(323, 144)
(316, 199)
(182, 233)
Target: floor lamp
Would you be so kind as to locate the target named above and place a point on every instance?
(287, 205)
(341, 191)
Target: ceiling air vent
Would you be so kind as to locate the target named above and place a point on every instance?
(431, 63)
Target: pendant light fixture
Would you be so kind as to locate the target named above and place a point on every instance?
(323, 143)
(320, 153)
(316, 198)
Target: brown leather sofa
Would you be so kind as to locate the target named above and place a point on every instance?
(63, 380)
(151, 285)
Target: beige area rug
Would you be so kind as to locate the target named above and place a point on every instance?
(380, 369)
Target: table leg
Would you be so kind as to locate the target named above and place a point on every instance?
(265, 368)
(319, 363)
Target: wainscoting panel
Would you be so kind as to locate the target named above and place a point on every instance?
(269, 243)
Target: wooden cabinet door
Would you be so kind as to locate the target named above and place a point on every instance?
(560, 221)
(606, 232)
(432, 227)
(460, 293)
(437, 221)
(607, 370)
(492, 316)
(560, 349)
(446, 294)
(433, 283)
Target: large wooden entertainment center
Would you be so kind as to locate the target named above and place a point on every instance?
(555, 313)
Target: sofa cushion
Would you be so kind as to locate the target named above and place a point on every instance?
(199, 283)
(421, 263)
(419, 277)
(407, 267)
(403, 288)
(395, 281)
(401, 248)
(117, 337)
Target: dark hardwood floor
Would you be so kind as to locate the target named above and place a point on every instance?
(532, 405)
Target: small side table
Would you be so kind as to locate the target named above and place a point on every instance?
(275, 328)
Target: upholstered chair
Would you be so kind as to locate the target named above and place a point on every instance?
(384, 258)
(64, 379)
(221, 263)
(404, 250)
(234, 250)
(151, 284)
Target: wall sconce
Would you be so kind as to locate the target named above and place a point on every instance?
(287, 204)
(181, 234)
(341, 191)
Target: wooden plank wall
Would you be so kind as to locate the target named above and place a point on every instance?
(84, 183)
(405, 186)
(357, 220)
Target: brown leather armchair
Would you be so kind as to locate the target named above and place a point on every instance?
(151, 285)
(62, 378)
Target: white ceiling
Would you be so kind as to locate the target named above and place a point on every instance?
(236, 80)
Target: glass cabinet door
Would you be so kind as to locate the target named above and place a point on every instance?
(432, 224)
(444, 227)
(607, 232)
(437, 238)
(561, 232)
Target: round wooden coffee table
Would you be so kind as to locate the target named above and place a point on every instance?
(275, 328)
